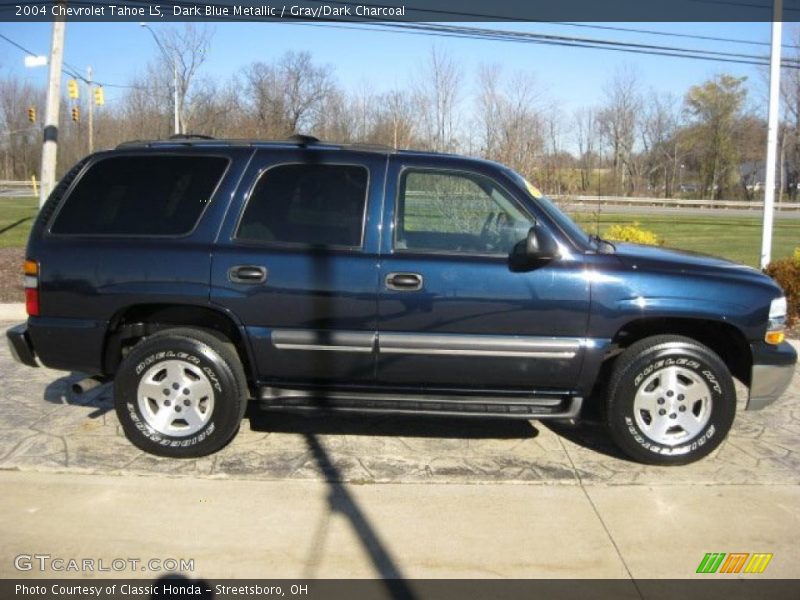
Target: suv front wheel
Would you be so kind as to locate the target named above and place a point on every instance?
(181, 393)
(671, 400)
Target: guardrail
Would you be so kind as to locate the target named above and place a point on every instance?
(674, 202)
(21, 188)
(16, 184)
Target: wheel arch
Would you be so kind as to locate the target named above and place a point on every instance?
(726, 340)
(132, 323)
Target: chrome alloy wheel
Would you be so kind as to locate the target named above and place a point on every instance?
(175, 398)
(672, 405)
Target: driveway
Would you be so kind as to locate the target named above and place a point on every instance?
(291, 496)
(46, 427)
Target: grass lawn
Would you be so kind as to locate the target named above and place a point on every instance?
(16, 218)
(736, 238)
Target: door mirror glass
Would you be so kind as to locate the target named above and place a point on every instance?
(539, 245)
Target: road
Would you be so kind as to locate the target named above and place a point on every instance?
(386, 496)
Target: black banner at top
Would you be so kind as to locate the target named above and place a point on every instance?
(440, 11)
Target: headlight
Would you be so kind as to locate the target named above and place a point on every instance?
(777, 309)
(777, 321)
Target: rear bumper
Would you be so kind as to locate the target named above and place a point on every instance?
(773, 369)
(20, 345)
(64, 344)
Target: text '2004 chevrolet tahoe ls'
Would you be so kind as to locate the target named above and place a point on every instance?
(202, 273)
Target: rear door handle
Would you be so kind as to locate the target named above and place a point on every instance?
(247, 274)
(404, 282)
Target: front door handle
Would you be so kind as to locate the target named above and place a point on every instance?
(404, 282)
(247, 274)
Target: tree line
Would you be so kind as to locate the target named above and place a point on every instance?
(707, 142)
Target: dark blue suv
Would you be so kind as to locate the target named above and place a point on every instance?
(202, 273)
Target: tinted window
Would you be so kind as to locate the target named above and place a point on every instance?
(307, 204)
(456, 212)
(141, 195)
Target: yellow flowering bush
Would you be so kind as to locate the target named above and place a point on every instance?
(632, 233)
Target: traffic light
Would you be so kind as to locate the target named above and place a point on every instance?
(32, 114)
(99, 96)
(72, 89)
(76, 114)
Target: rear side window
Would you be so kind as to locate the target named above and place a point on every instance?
(307, 204)
(141, 195)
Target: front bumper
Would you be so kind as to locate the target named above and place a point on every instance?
(20, 345)
(773, 369)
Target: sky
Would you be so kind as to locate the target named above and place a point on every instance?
(380, 60)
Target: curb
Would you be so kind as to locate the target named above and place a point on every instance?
(13, 311)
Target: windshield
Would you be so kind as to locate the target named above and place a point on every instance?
(548, 206)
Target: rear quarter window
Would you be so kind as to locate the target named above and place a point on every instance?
(140, 195)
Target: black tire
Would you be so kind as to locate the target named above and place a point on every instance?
(211, 376)
(651, 368)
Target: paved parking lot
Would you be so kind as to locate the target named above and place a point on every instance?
(45, 427)
(290, 496)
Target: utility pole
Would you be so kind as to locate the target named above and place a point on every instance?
(90, 107)
(772, 133)
(50, 136)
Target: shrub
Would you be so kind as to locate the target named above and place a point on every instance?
(632, 233)
(786, 272)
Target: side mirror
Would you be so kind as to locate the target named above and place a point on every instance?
(539, 245)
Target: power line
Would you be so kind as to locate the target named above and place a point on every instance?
(544, 39)
(596, 42)
(692, 36)
(71, 70)
(532, 37)
(585, 42)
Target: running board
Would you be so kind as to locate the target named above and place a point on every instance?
(555, 406)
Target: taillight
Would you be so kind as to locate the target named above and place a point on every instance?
(32, 288)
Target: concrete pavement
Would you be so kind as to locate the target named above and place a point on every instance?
(299, 529)
(380, 496)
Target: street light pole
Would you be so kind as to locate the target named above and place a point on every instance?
(174, 62)
(90, 107)
(772, 133)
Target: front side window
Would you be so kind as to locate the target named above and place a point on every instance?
(321, 205)
(457, 212)
(140, 195)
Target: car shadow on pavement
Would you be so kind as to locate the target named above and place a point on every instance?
(591, 435)
(392, 426)
(60, 391)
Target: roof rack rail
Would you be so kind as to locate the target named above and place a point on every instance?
(190, 136)
(302, 140)
(370, 147)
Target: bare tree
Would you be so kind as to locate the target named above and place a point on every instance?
(586, 136)
(288, 96)
(662, 148)
(19, 139)
(618, 120)
(394, 120)
(511, 119)
(790, 139)
(437, 95)
(188, 49)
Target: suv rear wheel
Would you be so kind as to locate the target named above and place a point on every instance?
(671, 401)
(181, 393)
